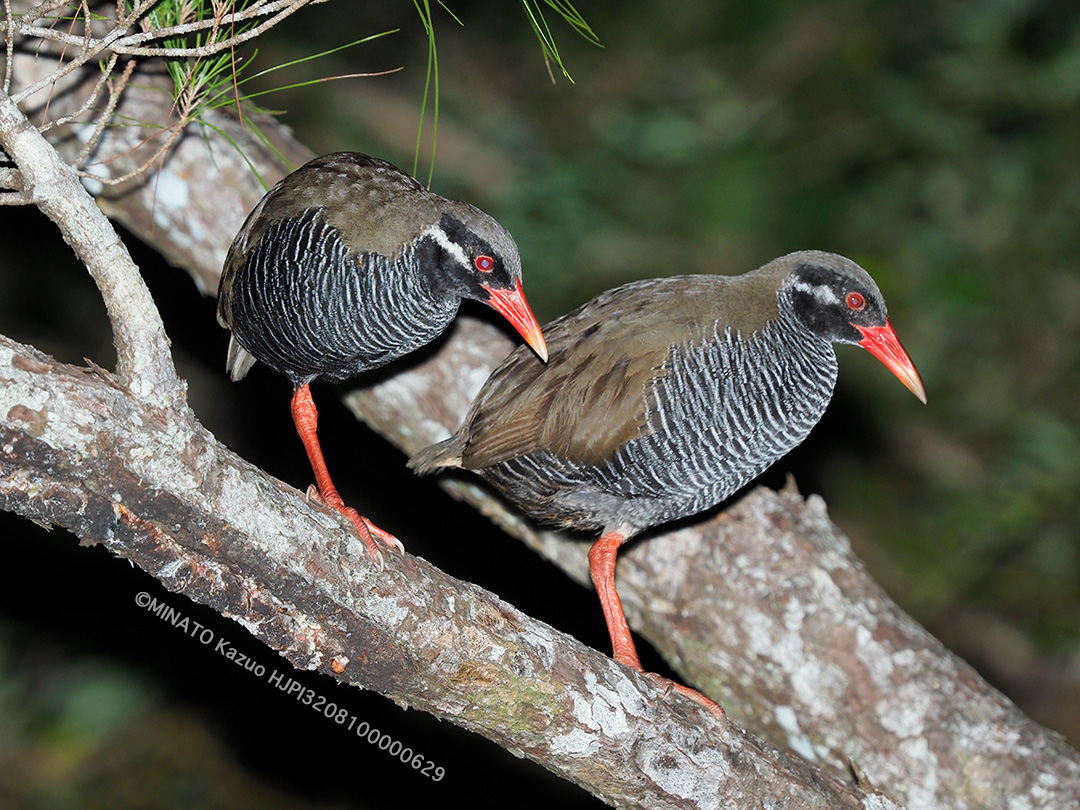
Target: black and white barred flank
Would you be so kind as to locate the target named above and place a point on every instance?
(346, 313)
(726, 409)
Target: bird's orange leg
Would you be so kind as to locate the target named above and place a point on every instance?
(306, 419)
(602, 567)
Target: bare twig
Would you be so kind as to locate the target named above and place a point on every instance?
(46, 8)
(280, 9)
(11, 188)
(46, 34)
(115, 90)
(75, 50)
(88, 102)
(88, 55)
(132, 43)
(9, 46)
(173, 134)
(120, 41)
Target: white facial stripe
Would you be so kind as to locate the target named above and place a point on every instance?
(819, 291)
(444, 241)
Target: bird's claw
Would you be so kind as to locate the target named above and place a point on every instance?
(670, 686)
(371, 534)
(384, 537)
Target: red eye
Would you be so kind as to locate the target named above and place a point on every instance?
(856, 301)
(485, 264)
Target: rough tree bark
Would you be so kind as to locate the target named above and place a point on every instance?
(763, 606)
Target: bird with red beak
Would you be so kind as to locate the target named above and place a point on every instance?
(348, 264)
(663, 397)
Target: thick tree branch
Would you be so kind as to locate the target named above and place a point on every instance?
(79, 450)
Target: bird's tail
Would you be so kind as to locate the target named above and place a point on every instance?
(240, 361)
(446, 453)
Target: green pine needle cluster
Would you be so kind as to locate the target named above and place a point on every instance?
(210, 75)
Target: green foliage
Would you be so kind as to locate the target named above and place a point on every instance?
(534, 11)
(212, 80)
(194, 76)
(207, 81)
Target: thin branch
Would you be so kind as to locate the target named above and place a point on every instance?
(44, 9)
(88, 102)
(48, 35)
(115, 90)
(249, 13)
(11, 188)
(122, 45)
(119, 41)
(174, 132)
(144, 361)
(125, 43)
(9, 46)
(98, 45)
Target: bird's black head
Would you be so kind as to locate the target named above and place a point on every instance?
(467, 254)
(839, 302)
(834, 297)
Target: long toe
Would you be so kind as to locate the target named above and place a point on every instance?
(696, 696)
(384, 537)
(371, 534)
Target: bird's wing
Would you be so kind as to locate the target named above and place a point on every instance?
(592, 396)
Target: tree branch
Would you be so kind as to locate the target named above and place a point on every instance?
(155, 487)
(144, 360)
(131, 44)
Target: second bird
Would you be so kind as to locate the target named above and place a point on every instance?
(347, 264)
(664, 397)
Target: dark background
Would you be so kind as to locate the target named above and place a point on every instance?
(936, 144)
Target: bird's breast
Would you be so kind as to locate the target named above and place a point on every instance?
(724, 410)
(307, 305)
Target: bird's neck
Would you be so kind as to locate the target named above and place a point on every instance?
(413, 312)
(807, 351)
(782, 371)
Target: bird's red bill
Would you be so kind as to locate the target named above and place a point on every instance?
(511, 304)
(882, 342)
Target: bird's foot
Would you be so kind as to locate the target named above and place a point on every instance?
(696, 696)
(371, 534)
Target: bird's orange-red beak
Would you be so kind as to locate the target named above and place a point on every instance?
(882, 342)
(511, 304)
